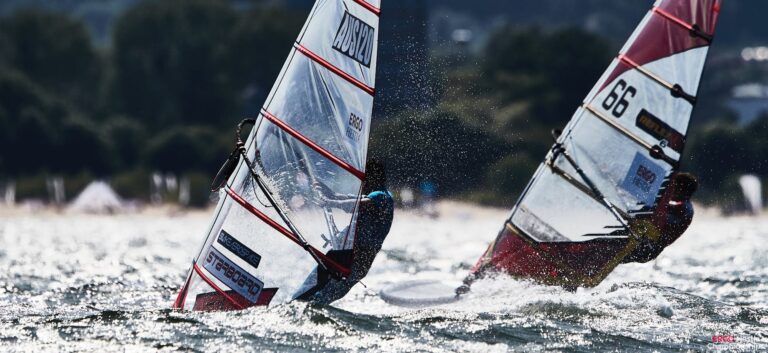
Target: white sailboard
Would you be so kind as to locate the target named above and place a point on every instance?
(269, 231)
(420, 293)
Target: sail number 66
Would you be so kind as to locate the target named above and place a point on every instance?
(616, 104)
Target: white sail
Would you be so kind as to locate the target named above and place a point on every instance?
(312, 129)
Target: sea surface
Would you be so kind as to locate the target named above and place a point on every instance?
(73, 282)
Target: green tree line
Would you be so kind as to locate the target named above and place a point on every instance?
(164, 96)
(179, 74)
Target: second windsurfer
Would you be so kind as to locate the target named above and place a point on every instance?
(582, 264)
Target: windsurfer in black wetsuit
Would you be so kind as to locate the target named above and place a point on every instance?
(374, 220)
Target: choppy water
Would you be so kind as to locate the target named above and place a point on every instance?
(91, 283)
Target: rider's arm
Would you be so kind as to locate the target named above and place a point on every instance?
(327, 194)
(348, 202)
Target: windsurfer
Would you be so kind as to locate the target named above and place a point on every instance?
(512, 255)
(371, 228)
(669, 222)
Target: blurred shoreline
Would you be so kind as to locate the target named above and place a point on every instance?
(165, 210)
(441, 209)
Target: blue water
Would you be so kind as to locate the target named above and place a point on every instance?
(100, 283)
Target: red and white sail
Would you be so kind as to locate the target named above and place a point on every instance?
(313, 128)
(629, 133)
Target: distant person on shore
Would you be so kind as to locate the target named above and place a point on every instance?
(428, 192)
(373, 223)
(513, 255)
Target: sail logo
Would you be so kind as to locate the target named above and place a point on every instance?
(236, 247)
(232, 275)
(354, 38)
(354, 127)
(660, 130)
(643, 179)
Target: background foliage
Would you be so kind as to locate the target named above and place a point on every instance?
(165, 95)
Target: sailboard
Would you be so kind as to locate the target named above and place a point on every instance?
(269, 231)
(608, 170)
(420, 293)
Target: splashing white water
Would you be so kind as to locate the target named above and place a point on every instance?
(82, 282)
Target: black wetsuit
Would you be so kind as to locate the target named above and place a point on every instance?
(678, 218)
(373, 223)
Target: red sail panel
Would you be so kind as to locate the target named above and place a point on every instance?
(662, 37)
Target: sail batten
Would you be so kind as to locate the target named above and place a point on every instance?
(375, 10)
(676, 90)
(580, 186)
(311, 144)
(324, 63)
(629, 134)
(695, 29)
